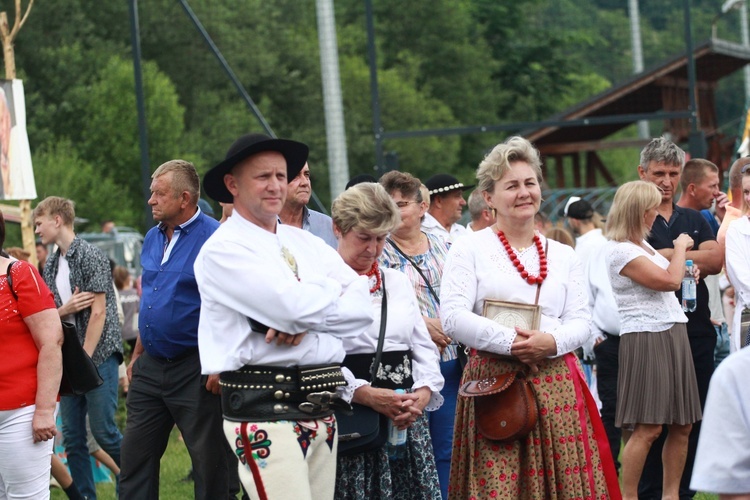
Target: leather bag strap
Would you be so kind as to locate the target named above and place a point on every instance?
(419, 270)
(381, 337)
(10, 280)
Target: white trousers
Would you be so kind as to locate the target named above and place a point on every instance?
(289, 459)
(24, 465)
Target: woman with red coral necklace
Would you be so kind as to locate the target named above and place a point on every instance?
(362, 217)
(566, 455)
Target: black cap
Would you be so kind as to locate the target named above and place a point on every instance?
(444, 183)
(359, 179)
(579, 209)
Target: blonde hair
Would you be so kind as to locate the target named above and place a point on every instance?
(497, 162)
(561, 235)
(55, 205)
(366, 206)
(184, 178)
(632, 200)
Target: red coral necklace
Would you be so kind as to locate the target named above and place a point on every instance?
(374, 272)
(532, 280)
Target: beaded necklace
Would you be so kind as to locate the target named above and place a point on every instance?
(374, 272)
(532, 280)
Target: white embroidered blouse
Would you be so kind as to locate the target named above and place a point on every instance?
(478, 268)
(641, 309)
(405, 330)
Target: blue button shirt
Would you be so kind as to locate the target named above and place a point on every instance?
(170, 304)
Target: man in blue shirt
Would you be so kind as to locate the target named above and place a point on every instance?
(166, 386)
(295, 212)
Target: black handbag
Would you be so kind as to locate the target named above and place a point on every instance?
(79, 373)
(364, 429)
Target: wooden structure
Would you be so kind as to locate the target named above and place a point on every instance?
(662, 88)
(7, 36)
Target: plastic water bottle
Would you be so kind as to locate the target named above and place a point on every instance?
(395, 447)
(689, 293)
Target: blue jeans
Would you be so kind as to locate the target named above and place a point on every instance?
(101, 405)
(441, 422)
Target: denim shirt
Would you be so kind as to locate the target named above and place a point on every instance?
(90, 272)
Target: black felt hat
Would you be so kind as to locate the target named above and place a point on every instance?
(294, 152)
(443, 183)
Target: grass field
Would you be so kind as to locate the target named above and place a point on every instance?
(175, 465)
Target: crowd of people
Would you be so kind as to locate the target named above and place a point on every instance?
(253, 334)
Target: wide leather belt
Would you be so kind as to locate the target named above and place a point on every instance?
(267, 393)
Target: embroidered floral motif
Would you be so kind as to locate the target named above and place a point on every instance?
(330, 423)
(260, 446)
(306, 431)
(396, 374)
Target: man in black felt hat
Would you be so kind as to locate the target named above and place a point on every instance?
(446, 205)
(276, 302)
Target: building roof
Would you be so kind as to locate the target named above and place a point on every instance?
(648, 92)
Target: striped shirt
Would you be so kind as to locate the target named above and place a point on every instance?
(431, 264)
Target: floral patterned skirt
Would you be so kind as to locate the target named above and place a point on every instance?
(371, 475)
(563, 457)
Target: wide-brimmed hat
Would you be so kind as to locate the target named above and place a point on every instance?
(294, 152)
(443, 183)
(577, 208)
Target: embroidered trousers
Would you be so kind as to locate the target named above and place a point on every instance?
(288, 459)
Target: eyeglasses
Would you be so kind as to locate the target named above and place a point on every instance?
(404, 204)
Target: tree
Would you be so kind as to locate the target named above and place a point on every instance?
(109, 133)
(60, 171)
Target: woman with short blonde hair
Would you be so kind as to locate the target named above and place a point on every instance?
(626, 218)
(510, 262)
(656, 383)
(363, 215)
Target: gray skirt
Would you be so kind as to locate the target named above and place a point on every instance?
(656, 380)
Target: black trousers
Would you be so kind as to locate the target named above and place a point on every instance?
(607, 366)
(163, 394)
(650, 486)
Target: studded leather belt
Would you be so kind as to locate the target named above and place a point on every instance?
(268, 393)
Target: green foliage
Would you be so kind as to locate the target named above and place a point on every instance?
(60, 171)
(109, 137)
(442, 63)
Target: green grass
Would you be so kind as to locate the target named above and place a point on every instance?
(175, 465)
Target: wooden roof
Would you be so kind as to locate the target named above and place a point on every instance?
(661, 88)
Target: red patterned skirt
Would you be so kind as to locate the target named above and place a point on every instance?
(566, 456)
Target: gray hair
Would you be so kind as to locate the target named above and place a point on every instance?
(662, 150)
(477, 204)
(184, 178)
(497, 162)
(366, 206)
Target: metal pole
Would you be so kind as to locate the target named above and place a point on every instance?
(372, 55)
(746, 43)
(227, 69)
(135, 41)
(697, 140)
(338, 166)
(635, 41)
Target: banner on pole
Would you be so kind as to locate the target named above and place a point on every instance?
(15, 155)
